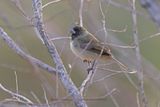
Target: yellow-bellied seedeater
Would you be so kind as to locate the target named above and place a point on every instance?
(86, 46)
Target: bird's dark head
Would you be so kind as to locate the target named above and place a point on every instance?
(76, 31)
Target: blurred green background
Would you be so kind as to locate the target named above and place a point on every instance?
(59, 18)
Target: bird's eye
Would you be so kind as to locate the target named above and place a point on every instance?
(75, 32)
(77, 29)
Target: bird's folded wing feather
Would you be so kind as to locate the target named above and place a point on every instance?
(95, 47)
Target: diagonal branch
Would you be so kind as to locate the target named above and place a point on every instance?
(66, 81)
(25, 56)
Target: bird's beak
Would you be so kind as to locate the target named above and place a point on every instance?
(72, 31)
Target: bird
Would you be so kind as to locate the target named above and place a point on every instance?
(86, 46)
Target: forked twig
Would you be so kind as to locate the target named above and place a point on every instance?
(16, 95)
(88, 78)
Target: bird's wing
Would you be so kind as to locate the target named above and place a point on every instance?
(99, 49)
(95, 47)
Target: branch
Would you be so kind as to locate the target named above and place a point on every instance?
(25, 56)
(91, 71)
(66, 81)
(138, 56)
(50, 3)
(126, 7)
(17, 96)
(80, 13)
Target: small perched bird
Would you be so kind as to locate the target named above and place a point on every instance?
(86, 46)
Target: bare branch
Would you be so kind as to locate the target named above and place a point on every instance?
(124, 68)
(16, 95)
(80, 13)
(20, 8)
(138, 56)
(112, 97)
(66, 81)
(45, 97)
(149, 37)
(105, 77)
(25, 56)
(16, 79)
(50, 3)
(126, 7)
(35, 97)
(104, 96)
(137, 97)
(89, 77)
(104, 21)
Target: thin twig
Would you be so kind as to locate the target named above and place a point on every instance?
(88, 78)
(138, 56)
(20, 8)
(15, 94)
(116, 30)
(80, 13)
(104, 96)
(126, 7)
(137, 97)
(20, 52)
(50, 3)
(112, 30)
(124, 68)
(16, 79)
(105, 77)
(149, 37)
(104, 21)
(15, 103)
(45, 97)
(35, 97)
(119, 46)
(59, 38)
(112, 97)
